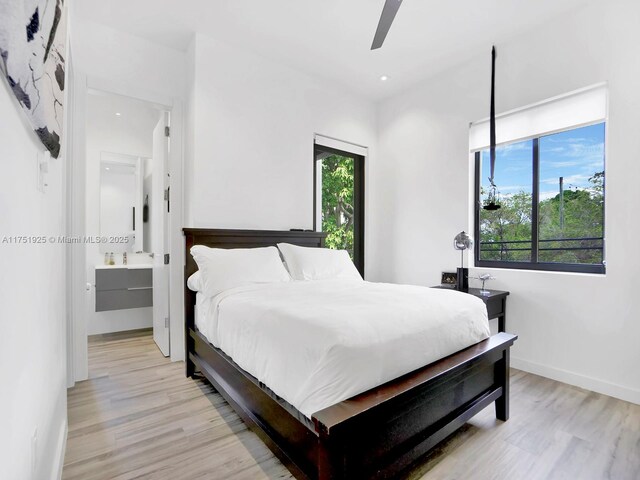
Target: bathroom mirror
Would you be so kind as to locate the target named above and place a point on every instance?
(121, 203)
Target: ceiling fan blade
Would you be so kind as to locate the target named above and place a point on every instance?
(386, 19)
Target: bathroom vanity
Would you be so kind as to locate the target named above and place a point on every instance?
(119, 287)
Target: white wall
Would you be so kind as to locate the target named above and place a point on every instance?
(128, 63)
(251, 123)
(581, 329)
(32, 304)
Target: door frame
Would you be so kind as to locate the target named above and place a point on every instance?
(77, 348)
(359, 211)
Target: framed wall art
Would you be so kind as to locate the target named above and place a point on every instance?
(33, 39)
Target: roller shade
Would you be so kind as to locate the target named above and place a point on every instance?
(581, 107)
(340, 145)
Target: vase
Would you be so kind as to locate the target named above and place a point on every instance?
(462, 281)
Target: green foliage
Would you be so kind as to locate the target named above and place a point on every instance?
(337, 202)
(511, 222)
(563, 224)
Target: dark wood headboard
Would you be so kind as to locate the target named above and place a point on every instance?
(218, 238)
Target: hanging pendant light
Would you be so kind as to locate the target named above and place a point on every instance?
(492, 201)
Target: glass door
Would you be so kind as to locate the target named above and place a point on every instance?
(339, 201)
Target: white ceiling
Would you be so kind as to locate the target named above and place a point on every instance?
(331, 38)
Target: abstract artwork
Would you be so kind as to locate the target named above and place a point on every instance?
(32, 60)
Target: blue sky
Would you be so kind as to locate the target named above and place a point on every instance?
(575, 155)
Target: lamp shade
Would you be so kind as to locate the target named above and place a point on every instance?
(462, 241)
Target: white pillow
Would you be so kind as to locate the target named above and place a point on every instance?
(194, 282)
(308, 263)
(222, 269)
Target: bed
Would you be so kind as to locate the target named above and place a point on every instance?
(378, 433)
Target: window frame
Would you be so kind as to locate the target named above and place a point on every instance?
(534, 264)
(358, 196)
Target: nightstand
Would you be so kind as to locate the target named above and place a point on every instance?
(496, 302)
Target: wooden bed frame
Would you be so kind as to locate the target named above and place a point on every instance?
(376, 434)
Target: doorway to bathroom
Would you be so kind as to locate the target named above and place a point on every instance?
(128, 208)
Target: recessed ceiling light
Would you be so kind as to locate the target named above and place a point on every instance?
(118, 114)
(384, 78)
(107, 168)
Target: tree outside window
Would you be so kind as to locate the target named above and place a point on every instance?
(338, 202)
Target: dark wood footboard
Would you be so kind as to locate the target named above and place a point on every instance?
(382, 432)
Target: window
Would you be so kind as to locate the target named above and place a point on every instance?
(506, 233)
(551, 196)
(339, 200)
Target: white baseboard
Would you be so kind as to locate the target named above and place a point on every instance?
(56, 471)
(582, 381)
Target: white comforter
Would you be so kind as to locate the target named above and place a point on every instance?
(318, 343)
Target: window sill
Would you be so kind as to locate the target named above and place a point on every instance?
(587, 270)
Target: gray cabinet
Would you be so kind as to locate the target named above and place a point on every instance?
(122, 288)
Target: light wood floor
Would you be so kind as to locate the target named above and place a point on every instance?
(139, 417)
